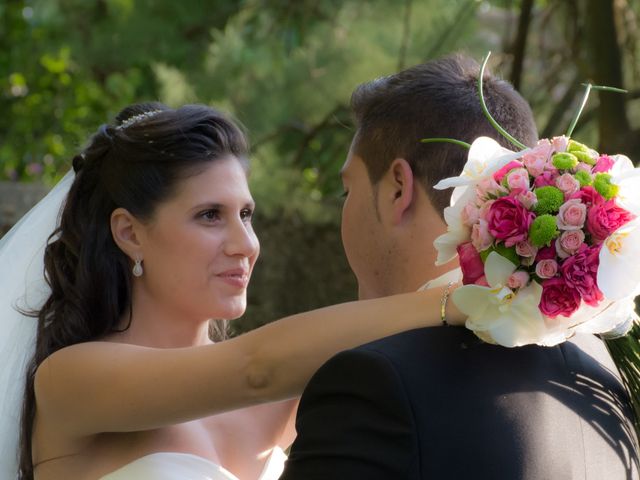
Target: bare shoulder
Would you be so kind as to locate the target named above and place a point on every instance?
(91, 370)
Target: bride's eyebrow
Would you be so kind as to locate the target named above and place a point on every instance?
(221, 206)
(209, 206)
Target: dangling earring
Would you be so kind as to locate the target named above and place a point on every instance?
(137, 268)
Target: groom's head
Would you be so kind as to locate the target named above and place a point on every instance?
(392, 214)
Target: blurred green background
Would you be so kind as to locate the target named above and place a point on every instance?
(286, 69)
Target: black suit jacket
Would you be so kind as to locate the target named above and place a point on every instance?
(437, 403)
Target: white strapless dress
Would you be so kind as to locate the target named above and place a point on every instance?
(185, 466)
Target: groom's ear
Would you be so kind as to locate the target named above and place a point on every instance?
(400, 180)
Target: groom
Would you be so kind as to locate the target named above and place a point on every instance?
(437, 403)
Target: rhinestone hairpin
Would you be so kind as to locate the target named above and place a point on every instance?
(137, 118)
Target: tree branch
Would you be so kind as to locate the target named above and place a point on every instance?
(315, 130)
(520, 43)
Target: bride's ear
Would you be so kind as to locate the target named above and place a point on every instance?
(126, 232)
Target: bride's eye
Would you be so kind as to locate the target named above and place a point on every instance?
(246, 214)
(210, 215)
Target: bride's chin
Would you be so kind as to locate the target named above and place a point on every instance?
(232, 311)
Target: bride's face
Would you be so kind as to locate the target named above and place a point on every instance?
(200, 248)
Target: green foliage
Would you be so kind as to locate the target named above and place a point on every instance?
(584, 178)
(507, 252)
(549, 200)
(626, 352)
(543, 230)
(602, 184)
(68, 66)
(564, 160)
(285, 69)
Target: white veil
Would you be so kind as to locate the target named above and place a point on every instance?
(22, 286)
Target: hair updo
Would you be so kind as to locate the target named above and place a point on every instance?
(135, 164)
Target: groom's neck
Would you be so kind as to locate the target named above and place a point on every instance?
(408, 274)
(415, 262)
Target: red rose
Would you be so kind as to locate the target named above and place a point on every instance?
(546, 253)
(605, 218)
(580, 273)
(558, 298)
(470, 263)
(509, 220)
(588, 195)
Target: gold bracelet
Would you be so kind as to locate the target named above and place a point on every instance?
(443, 304)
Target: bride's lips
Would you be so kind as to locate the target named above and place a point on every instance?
(236, 277)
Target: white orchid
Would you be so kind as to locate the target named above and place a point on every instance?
(627, 178)
(457, 232)
(619, 271)
(486, 156)
(498, 313)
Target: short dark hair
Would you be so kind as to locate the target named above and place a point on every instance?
(435, 99)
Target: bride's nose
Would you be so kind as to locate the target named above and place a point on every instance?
(241, 239)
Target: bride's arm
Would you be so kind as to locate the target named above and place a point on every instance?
(107, 387)
(286, 353)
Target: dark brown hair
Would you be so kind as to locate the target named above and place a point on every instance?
(435, 99)
(135, 164)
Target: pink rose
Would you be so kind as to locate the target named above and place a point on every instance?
(470, 214)
(536, 159)
(488, 187)
(558, 298)
(588, 195)
(571, 215)
(547, 268)
(546, 253)
(605, 218)
(580, 272)
(534, 164)
(518, 179)
(527, 198)
(518, 279)
(470, 263)
(560, 144)
(526, 249)
(568, 184)
(547, 178)
(569, 243)
(603, 164)
(583, 167)
(500, 174)
(509, 220)
(481, 238)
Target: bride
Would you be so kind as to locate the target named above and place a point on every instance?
(154, 239)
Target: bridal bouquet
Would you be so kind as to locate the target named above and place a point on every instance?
(548, 240)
